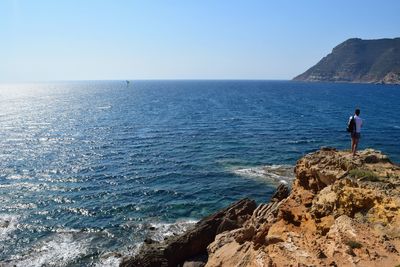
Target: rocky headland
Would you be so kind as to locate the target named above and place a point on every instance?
(360, 61)
(340, 211)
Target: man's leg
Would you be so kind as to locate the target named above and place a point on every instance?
(353, 142)
(355, 145)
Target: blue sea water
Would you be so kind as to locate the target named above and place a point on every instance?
(92, 168)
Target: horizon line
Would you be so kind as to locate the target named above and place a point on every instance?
(130, 80)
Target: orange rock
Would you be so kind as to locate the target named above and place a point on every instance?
(342, 211)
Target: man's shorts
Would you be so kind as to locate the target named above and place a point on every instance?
(356, 135)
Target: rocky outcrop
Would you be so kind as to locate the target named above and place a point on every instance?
(357, 60)
(342, 211)
(190, 249)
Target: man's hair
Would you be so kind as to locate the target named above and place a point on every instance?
(357, 112)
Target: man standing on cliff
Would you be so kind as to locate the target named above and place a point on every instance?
(355, 125)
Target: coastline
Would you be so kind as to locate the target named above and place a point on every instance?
(341, 210)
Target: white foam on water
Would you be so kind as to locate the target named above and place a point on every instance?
(62, 200)
(105, 107)
(114, 258)
(48, 178)
(269, 173)
(303, 141)
(19, 177)
(80, 211)
(163, 230)
(59, 249)
(8, 224)
(109, 260)
(32, 187)
(22, 206)
(256, 171)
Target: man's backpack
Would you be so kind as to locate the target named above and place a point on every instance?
(351, 125)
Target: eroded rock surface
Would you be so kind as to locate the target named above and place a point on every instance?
(342, 211)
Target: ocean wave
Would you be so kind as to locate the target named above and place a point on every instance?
(105, 107)
(58, 249)
(79, 211)
(271, 173)
(62, 200)
(22, 206)
(109, 260)
(18, 177)
(159, 231)
(32, 187)
(299, 142)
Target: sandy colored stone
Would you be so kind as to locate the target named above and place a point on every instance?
(330, 218)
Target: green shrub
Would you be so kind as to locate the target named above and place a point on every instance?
(353, 244)
(364, 175)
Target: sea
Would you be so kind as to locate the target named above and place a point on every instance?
(90, 169)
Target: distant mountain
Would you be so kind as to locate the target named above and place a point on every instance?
(357, 60)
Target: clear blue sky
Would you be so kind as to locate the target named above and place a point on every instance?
(44, 40)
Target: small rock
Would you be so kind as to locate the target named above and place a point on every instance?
(193, 264)
(282, 191)
(198, 261)
(374, 255)
(327, 148)
(391, 248)
(273, 240)
(4, 224)
(321, 254)
(350, 251)
(149, 241)
(370, 159)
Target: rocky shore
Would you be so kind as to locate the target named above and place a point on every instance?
(341, 211)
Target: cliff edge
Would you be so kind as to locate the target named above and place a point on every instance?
(341, 211)
(361, 61)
